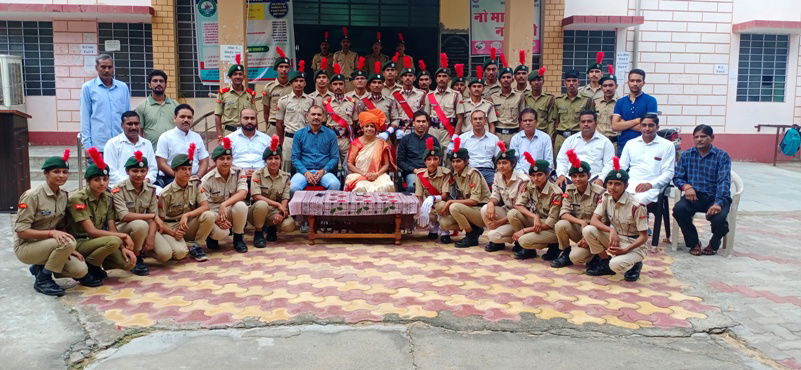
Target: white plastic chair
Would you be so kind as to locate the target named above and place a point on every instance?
(737, 188)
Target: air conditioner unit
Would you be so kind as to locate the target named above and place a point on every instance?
(12, 86)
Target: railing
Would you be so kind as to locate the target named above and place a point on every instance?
(780, 130)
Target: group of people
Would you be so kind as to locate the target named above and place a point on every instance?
(480, 159)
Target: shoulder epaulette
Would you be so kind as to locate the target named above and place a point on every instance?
(251, 92)
(116, 190)
(225, 90)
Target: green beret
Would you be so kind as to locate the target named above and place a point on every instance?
(534, 76)
(320, 72)
(446, 71)
(490, 61)
(476, 80)
(337, 77)
(180, 160)
(457, 79)
(506, 70)
(540, 165)
(407, 71)
(375, 76)
(132, 162)
(219, 151)
(521, 68)
(509, 155)
(55, 162)
(281, 60)
(424, 72)
(437, 152)
(269, 153)
(597, 66)
(571, 74)
(608, 77)
(621, 175)
(389, 64)
(293, 75)
(461, 154)
(357, 73)
(94, 171)
(584, 168)
(234, 68)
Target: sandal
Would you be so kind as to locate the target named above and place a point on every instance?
(696, 250)
(708, 251)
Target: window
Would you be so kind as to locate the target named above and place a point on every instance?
(33, 41)
(762, 70)
(580, 48)
(370, 13)
(189, 85)
(134, 60)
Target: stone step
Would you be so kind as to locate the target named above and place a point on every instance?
(71, 185)
(38, 154)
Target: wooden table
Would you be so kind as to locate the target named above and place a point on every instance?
(362, 215)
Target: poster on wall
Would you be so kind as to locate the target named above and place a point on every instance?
(486, 26)
(269, 25)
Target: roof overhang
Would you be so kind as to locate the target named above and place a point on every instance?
(600, 22)
(23, 11)
(768, 27)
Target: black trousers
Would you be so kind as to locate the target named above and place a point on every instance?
(684, 211)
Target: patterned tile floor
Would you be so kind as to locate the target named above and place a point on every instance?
(365, 282)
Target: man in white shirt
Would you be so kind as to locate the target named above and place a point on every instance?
(590, 145)
(482, 145)
(248, 143)
(176, 141)
(121, 147)
(650, 160)
(530, 140)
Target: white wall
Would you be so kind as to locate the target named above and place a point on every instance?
(773, 10)
(595, 7)
(82, 2)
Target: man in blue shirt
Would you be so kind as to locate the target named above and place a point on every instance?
(103, 101)
(628, 112)
(704, 174)
(315, 154)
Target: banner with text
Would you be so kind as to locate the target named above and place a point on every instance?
(486, 26)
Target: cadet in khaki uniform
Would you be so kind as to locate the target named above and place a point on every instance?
(579, 201)
(290, 112)
(423, 77)
(91, 213)
(543, 103)
(432, 188)
(325, 52)
(345, 57)
(491, 83)
(377, 100)
(409, 96)
(341, 112)
(476, 101)
(359, 81)
(463, 212)
(505, 188)
(606, 106)
(269, 190)
(568, 107)
(459, 84)
(184, 207)
(321, 79)
(40, 239)
(521, 74)
(376, 55)
(592, 89)
(275, 89)
(390, 71)
(226, 188)
(617, 232)
(231, 100)
(508, 104)
(536, 212)
(447, 115)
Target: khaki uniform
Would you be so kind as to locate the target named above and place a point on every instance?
(104, 251)
(230, 104)
(545, 105)
(579, 205)
(629, 218)
(317, 62)
(527, 89)
(508, 108)
(483, 105)
(353, 95)
(491, 89)
(605, 110)
(414, 98)
(545, 204)
(175, 201)
(586, 91)
(370, 59)
(275, 188)
(319, 98)
(441, 180)
(452, 104)
(566, 117)
(42, 209)
(291, 109)
(347, 61)
(470, 184)
(506, 193)
(270, 94)
(346, 109)
(218, 189)
(388, 90)
(386, 104)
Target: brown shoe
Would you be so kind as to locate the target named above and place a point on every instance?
(709, 251)
(696, 250)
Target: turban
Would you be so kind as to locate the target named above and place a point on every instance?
(374, 116)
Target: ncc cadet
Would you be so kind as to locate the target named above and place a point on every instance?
(541, 102)
(578, 203)
(423, 77)
(568, 107)
(325, 51)
(275, 89)
(508, 104)
(345, 57)
(536, 212)
(226, 188)
(400, 48)
(92, 222)
(491, 83)
(231, 100)
(269, 191)
(390, 71)
(432, 188)
(617, 232)
(592, 89)
(444, 105)
(376, 55)
(359, 80)
(341, 111)
(475, 101)
(290, 113)
(521, 74)
(505, 189)
(606, 105)
(321, 80)
(463, 211)
(39, 229)
(459, 84)
(409, 98)
(377, 100)
(184, 207)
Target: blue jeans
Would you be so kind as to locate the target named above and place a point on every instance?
(329, 181)
(410, 181)
(489, 175)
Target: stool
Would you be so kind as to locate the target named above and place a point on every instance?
(314, 188)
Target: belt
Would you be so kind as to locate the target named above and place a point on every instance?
(631, 236)
(566, 133)
(230, 127)
(436, 123)
(289, 134)
(507, 131)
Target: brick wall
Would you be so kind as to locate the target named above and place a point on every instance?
(552, 44)
(165, 54)
(70, 72)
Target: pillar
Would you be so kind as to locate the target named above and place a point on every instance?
(232, 30)
(552, 44)
(165, 46)
(518, 33)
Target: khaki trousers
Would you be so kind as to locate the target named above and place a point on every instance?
(567, 231)
(599, 241)
(286, 154)
(261, 213)
(168, 248)
(54, 256)
(441, 135)
(199, 227)
(532, 240)
(137, 229)
(238, 214)
(502, 234)
(104, 252)
(506, 138)
(461, 216)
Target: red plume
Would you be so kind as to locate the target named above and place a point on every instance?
(280, 52)
(323, 63)
(325, 36)
(493, 53)
(302, 66)
(190, 154)
(529, 158)
(522, 56)
(611, 69)
(345, 31)
(378, 36)
(138, 155)
(395, 58)
(337, 68)
(430, 143)
(360, 64)
(541, 71)
(457, 144)
(502, 146)
(479, 72)
(407, 62)
(377, 67)
(238, 58)
(616, 163)
(274, 143)
(226, 143)
(421, 64)
(443, 60)
(66, 155)
(503, 60)
(96, 157)
(459, 70)
(400, 36)
(575, 162)
(599, 57)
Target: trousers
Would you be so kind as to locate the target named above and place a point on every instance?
(501, 234)
(461, 216)
(532, 240)
(261, 213)
(104, 252)
(684, 211)
(238, 215)
(567, 231)
(599, 240)
(54, 256)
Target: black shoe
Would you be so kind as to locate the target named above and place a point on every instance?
(212, 244)
(197, 253)
(470, 239)
(517, 248)
(563, 260)
(552, 253)
(633, 274)
(90, 281)
(445, 239)
(258, 239)
(272, 234)
(239, 243)
(140, 268)
(593, 262)
(432, 236)
(46, 285)
(600, 269)
(34, 269)
(494, 247)
(97, 271)
(524, 254)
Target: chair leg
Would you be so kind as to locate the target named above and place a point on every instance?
(657, 226)
(666, 218)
